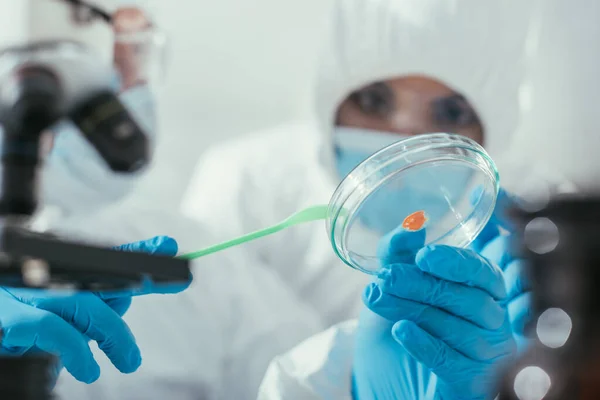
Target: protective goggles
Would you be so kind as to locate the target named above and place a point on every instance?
(142, 48)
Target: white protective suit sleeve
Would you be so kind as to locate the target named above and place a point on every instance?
(214, 340)
(320, 368)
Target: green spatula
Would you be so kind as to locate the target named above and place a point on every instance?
(314, 213)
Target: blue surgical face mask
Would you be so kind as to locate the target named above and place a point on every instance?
(75, 177)
(354, 145)
(429, 189)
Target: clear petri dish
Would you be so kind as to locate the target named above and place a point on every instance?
(436, 188)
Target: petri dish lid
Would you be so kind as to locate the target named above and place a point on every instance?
(436, 188)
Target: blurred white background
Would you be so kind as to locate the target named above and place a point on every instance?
(235, 66)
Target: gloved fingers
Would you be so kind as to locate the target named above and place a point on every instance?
(400, 246)
(458, 376)
(498, 251)
(147, 286)
(432, 352)
(466, 338)
(489, 233)
(96, 320)
(462, 266)
(31, 327)
(120, 305)
(520, 313)
(504, 203)
(408, 282)
(164, 245)
(516, 279)
(500, 220)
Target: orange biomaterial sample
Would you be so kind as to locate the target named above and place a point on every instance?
(415, 221)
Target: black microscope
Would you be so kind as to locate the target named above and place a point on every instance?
(41, 84)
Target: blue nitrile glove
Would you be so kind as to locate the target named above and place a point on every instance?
(428, 313)
(120, 301)
(496, 246)
(38, 320)
(448, 317)
(518, 299)
(382, 369)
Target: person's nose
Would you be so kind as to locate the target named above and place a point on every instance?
(410, 123)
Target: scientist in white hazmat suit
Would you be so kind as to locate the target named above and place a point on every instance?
(379, 50)
(399, 366)
(386, 72)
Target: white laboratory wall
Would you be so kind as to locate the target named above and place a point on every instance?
(560, 128)
(51, 19)
(235, 66)
(13, 20)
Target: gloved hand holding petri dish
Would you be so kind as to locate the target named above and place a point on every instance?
(444, 183)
